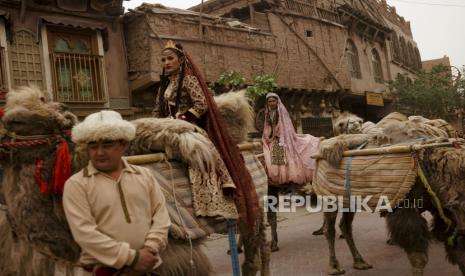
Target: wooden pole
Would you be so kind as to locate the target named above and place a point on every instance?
(146, 158)
(250, 146)
(157, 157)
(393, 149)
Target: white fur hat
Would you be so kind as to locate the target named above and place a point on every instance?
(103, 125)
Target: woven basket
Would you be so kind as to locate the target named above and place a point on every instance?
(390, 175)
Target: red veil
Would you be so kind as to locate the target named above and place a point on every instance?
(246, 196)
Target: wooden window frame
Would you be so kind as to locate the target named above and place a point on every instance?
(353, 60)
(25, 67)
(93, 62)
(377, 66)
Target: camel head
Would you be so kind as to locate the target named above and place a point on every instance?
(30, 111)
(348, 123)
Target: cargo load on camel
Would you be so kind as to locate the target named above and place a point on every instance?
(37, 240)
(404, 160)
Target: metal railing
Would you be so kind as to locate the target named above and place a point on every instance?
(78, 78)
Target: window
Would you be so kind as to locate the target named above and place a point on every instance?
(309, 33)
(26, 62)
(395, 49)
(77, 69)
(403, 51)
(318, 126)
(352, 59)
(377, 69)
(411, 56)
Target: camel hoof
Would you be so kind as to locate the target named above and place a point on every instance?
(362, 265)
(390, 242)
(336, 271)
(318, 232)
(274, 248)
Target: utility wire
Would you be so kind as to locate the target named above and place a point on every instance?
(430, 4)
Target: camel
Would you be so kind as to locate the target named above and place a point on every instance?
(35, 236)
(441, 189)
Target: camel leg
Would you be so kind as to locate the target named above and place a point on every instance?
(409, 230)
(346, 227)
(320, 231)
(418, 260)
(456, 251)
(272, 220)
(251, 241)
(264, 247)
(330, 233)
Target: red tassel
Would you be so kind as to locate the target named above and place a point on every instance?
(2, 112)
(61, 168)
(43, 186)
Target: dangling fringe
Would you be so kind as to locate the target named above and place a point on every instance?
(61, 168)
(43, 186)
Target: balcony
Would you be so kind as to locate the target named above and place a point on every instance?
(78, 78)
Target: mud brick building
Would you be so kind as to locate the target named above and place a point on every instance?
(326, 56)
(73, 49)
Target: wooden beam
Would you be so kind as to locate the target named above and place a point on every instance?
(242, 47)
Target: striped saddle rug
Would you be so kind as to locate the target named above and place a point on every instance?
(174, 181)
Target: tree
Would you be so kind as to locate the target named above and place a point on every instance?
(233, 80)
(434, 94)
(228, 81)
(263, 84)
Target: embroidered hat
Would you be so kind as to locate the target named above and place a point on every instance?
(103, 125)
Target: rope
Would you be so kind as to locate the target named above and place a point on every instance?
(183, 225)
(233, 247)
(25, 144)
(35, 137)
(348, 163)
(433, 195)
(452, 239)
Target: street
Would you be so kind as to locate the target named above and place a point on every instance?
(301, 253)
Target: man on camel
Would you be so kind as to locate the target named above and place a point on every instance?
(116, 211)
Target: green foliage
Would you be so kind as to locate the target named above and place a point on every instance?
(263, 84)
(231, 79)
(435, 94)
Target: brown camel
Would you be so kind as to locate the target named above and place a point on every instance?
(442, 193)
(35, 237)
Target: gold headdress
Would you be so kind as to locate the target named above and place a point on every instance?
(171, 45)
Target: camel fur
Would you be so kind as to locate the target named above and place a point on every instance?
(37, 239)
(178, 139)
(35, 236)
(445, 170)
(231, 105)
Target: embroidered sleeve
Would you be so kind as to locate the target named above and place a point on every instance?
(195, 92)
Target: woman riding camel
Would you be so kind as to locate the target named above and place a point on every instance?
(183, 94)
(287, 155)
